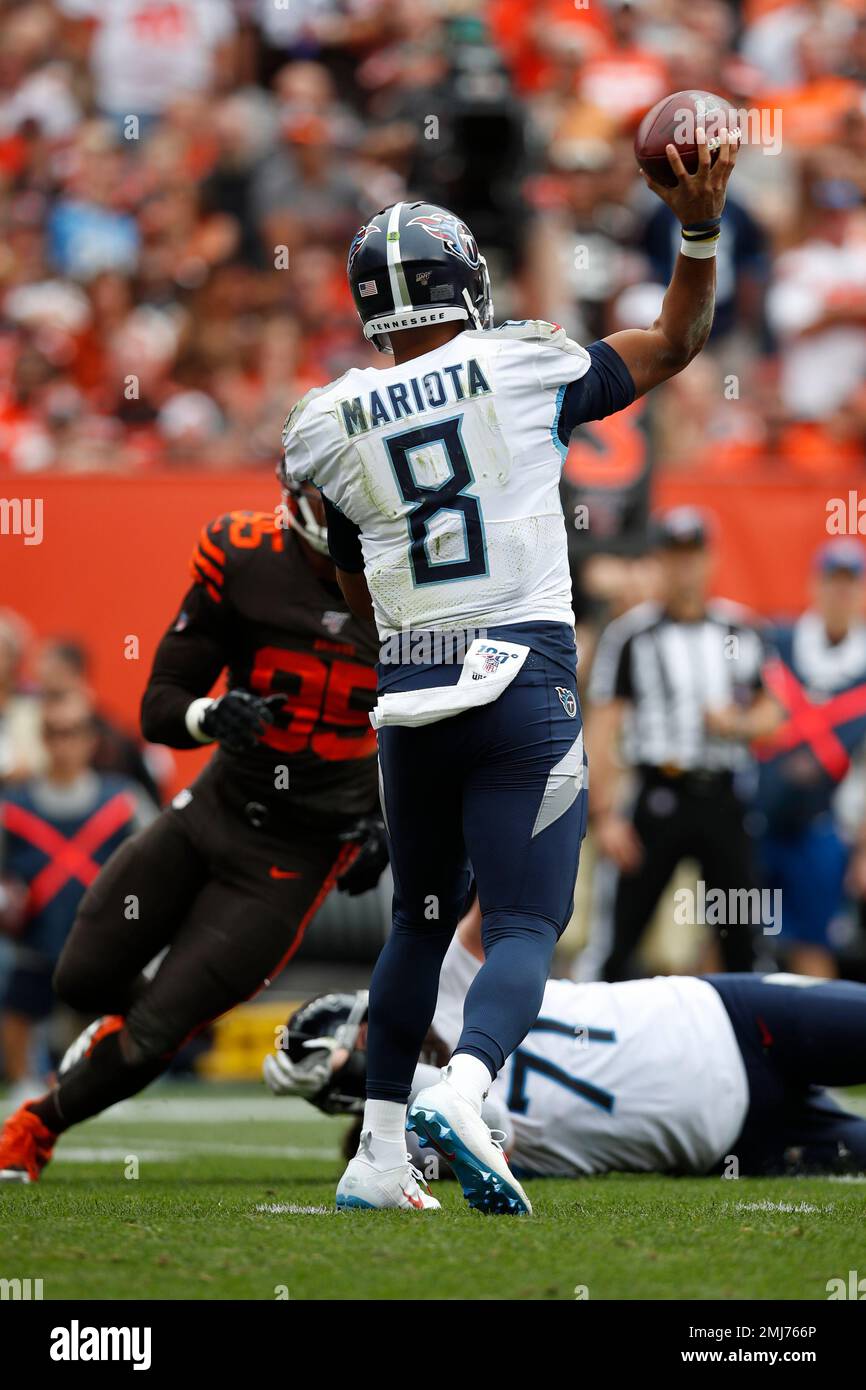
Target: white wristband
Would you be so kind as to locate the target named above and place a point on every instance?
(193, 718)
(698, 250)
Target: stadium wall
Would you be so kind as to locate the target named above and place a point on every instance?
(113, 565)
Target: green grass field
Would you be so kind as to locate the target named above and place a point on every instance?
(234, 1196)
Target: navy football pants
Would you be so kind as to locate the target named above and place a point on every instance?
(502, 788)
(797, 1038)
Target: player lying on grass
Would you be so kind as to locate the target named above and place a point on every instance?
(230, 874)
(672, 1074)
(441, 480)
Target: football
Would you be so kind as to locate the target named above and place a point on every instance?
(674, 121)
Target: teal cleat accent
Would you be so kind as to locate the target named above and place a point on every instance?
(483, 1189)
(353, 1203)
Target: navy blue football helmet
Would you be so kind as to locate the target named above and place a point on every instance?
(326, 1022)
(416, 264)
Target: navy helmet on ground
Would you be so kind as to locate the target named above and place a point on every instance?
(325, 1023)
(413, 265)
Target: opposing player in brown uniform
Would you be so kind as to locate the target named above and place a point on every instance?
(230, 874)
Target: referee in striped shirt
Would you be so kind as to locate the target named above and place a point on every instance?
(677, 685)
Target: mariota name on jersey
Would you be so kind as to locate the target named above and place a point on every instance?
(404, 399)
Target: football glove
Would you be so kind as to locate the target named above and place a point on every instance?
(237, 720)
(369, 863)
(305, 1078)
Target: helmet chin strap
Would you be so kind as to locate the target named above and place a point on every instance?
(474, 315)
(347, 1033)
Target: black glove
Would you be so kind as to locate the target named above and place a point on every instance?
(238, 719)
(369, 864)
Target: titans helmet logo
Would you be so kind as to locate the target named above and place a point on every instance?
(454, 234)
(358, 240)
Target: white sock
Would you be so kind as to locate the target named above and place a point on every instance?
(385, 1122)
(470, 1077)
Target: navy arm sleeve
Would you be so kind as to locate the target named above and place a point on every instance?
(606, 388)
(344, 540)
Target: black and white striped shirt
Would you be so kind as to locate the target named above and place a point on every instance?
(671, 673)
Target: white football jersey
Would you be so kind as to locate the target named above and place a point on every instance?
(450, 466)
(643, 1076)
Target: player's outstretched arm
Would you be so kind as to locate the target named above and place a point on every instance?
(654, 354)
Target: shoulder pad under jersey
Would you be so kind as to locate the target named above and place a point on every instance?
(535, 331)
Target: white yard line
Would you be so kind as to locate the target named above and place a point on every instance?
(292, 1209)
(80, 1154)
(210, 1109)
(205, 1109)
(797, 1208)
(115, 1152)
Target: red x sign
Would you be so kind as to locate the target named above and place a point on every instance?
(68, 858)
(808, 722)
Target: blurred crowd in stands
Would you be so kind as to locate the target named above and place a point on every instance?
(57, 671)
(179, 180)
(73, 786)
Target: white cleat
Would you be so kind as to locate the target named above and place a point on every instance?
(366, 1187)
(448, 1123)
